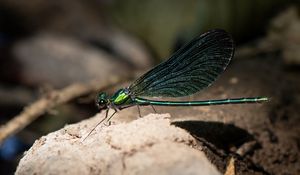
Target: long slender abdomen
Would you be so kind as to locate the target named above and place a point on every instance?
(142, 101)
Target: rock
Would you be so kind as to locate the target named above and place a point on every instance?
(149, 145)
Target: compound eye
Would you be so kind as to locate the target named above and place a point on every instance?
(101, 104)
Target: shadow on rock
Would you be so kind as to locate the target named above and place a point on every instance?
(223, 136)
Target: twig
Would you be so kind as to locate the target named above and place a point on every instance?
(52, 99)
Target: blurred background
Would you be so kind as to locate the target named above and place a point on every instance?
(46, 45)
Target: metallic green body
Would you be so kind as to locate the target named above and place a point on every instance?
(142, 101)
(122, 98)
(118, 100)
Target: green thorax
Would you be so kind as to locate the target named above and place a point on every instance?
(121, 97)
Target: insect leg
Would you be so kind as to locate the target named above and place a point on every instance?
(106, 114)
(153, 108)
(138, 106)
(108, 120)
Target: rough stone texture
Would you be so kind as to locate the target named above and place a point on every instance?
(149, 145)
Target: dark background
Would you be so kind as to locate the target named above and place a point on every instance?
(47, 45)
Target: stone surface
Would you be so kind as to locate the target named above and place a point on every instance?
(149, 145)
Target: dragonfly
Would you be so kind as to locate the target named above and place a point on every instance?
(190, 69)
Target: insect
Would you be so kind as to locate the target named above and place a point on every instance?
(192, 68)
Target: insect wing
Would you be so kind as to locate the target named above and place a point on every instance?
(190, 69)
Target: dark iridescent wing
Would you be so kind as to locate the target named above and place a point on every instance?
(192, 68)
